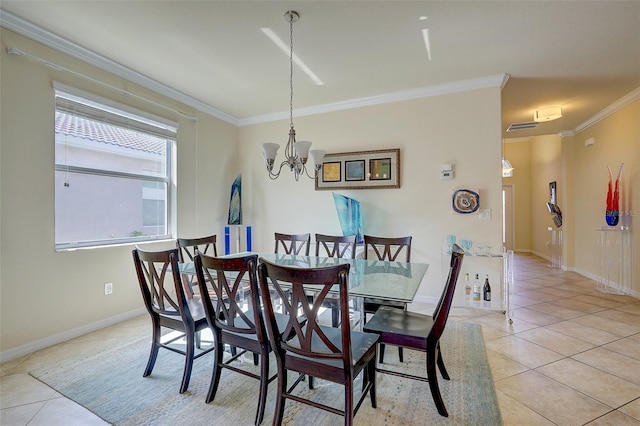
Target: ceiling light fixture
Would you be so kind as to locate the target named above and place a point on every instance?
(296, 153)
(507, 168)
(547, 114)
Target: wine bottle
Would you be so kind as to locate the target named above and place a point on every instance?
(467, 287)
(476, 288)
(486, 290)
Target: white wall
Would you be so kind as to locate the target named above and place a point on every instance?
(47, 295)
(461, 128)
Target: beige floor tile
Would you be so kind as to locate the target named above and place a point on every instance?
(516, 414)
(601, 322)
(632, 409)
(584, 332)
(577, 305)
(612, 362)
(557, 342)
(559, 293)
(502, 366)
(631, 320)
(20, 389)
(523, 351)
(64, 412)
(500, 322)
(20, 415)
(614, 418)
(629, 347)
(632, 308)
(559, 403)
(535, 317)
(593, 382)
(599, 301)
(555, 310)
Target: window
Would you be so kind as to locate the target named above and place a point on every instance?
(113, 172)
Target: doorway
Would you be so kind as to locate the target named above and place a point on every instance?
(508, 217)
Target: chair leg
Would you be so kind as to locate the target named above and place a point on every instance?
(381, 354)
(256, 358)
(348, 403)
(217, 369)
(153, 355)
(400, 357)
(371, 373)
(443, 370)
(188, 362)
(433, 380)
(280, 401)
(264, 384)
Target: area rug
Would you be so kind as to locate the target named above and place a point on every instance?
(110, 384)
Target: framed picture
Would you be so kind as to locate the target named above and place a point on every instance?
(354, 170)
(360, 170)
(331, 172)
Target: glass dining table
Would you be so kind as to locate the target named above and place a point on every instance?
(393, 281)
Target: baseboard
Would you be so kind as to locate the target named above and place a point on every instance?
(67, 335)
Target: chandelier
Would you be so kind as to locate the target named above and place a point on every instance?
(296, 152)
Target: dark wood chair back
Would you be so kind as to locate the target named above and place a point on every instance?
(234, 313)
(421, 332)
(388, 248)
(441, 312)
(336, 246)
(308, 347)
(221, 282)
(160, 284)
(189, 247)
(293, 243)
(168, 305)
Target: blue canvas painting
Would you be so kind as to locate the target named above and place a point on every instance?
(349, 215)
(235, 204)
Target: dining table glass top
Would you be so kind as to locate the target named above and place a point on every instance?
(397, 281)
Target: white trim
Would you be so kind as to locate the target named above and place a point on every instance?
(27, 29)
(404, 95)
(67, 335)
(624, 101)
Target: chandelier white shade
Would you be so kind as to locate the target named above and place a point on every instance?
(547, 114)
(507, 169)
(296, 152)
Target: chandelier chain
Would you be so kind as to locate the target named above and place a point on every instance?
(291, 71)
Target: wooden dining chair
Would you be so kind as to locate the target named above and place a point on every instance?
(165, 299)
(189, 247)
(385, 249)
(341, 246)
(338, 354)
(421, 332)
(233, 322)
(293, 243)
(335, 246)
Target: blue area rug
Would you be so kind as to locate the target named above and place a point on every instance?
(111, 385)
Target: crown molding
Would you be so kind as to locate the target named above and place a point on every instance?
(29, 30)
(404, 95)
(567, 133)
(624, 101)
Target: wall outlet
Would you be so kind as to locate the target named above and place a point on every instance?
(485, 214)
(108, 288)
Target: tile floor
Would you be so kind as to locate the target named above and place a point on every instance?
(571, 356)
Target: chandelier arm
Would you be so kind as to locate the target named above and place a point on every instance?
(306, 171)
(274, 176)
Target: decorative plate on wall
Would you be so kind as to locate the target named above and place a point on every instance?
(465, 201)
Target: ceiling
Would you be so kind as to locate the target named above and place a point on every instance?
(582, 55)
